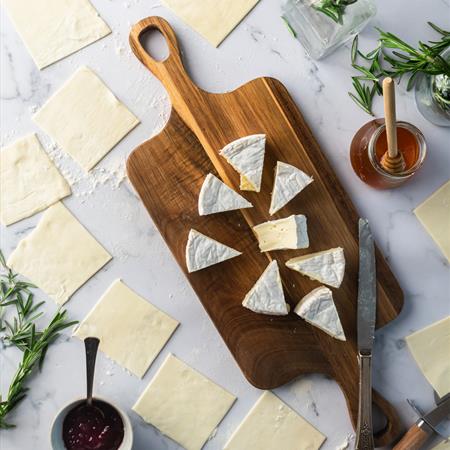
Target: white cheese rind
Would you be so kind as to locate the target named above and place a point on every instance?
(267, 296)
(282, 234)
(215, 197)
(328, 266)
(289, 182)
(203, 251)
(318, 309)
(246, 156)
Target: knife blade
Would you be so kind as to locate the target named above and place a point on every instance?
(425, 427)
(366, 316)
(367, 289)
(438, 414)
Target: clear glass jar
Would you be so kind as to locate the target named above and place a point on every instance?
(319, 34)
(370, 144)
(432, 93)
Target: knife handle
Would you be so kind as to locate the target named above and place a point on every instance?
(415, 438)
(364, 432)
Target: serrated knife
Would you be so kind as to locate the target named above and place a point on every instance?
(367, 305)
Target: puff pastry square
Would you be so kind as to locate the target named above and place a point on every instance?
(272, 425)
(131, 330)
(183, 404)
(29, 181)
(434, 214)
(54, 29)
(430, 348)
(85, 118)
(59, 255)
(213, 19)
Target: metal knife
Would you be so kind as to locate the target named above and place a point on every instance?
(425, 427)
(367, 304)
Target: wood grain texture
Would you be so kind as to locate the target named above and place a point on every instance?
(414, 439)
(167, 172)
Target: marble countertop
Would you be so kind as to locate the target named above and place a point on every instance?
(108, 207)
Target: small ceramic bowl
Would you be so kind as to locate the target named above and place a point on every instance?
(56, 434)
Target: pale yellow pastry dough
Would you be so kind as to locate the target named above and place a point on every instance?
(131, 330)
(445, 445)
(183, 404)
(434, 213)
(59, 255)
(272, 425)
(54, 29)
(85, 118)
(29, 181)
(213, 19)
(430, 348)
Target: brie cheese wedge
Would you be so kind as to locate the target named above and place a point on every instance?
(288, 233)
(318, 309)
(328, 266)
(267, 296)
(202, 251)
(216, 196)
(289, 181)
(246, 156)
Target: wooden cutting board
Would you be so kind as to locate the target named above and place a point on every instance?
(167, 172)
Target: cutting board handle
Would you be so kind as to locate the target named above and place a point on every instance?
(393, 428)
(169, 71)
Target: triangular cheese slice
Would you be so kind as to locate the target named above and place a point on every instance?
(328, 266)
(267, 296)
(202, 251)
(216, 196)
(246, 156)
(318, 309)
(289, 181)
(282, 234)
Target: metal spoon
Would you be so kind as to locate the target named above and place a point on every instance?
(91, 347)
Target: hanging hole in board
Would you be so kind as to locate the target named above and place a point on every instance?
(155, 44)
(380, 421)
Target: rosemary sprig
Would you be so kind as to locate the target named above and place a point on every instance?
(10, 286)
(334, 9)
(19, 329)
(289, 26)
(401, 59)
(23, 334)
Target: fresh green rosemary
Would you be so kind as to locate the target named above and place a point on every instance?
(334, 9)
(395, 58)
(289, 26)
(22, 333)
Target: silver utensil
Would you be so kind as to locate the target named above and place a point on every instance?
(367, 302)
(91, 347)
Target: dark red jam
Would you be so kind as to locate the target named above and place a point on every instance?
(96, 427)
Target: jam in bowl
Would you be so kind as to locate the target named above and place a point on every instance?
(100, 426)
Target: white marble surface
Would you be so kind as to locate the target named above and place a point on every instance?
(261, 45)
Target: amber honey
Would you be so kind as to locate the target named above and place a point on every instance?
(370, 144)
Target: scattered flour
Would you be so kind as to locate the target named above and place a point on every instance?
(119, 49)
(83, 184)
(213, 434)
(346, 444)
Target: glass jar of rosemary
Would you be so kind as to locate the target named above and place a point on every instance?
(432, 93)
(324, 25)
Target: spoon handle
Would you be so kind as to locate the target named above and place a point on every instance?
(91, 347)
(390, 116)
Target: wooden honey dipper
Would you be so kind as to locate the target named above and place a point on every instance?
(392, 161)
